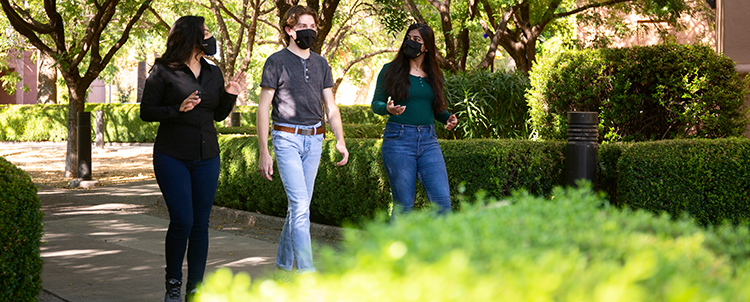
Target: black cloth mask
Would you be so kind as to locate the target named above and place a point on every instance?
(412, 49)
(210, 46)
(305, 38)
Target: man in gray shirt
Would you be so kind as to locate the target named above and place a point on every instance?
(297, 82)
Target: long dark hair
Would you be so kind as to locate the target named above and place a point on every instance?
(186, 34)
(397, 75)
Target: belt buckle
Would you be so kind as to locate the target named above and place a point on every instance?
(306, 131)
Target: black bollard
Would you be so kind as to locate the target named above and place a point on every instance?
(583, 146)
(234, 119)
(84, 145)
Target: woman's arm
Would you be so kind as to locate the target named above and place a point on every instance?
(379, 98)
(152, 107)
(228, 95)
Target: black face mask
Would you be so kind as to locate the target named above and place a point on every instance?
(210, 46)
(305, 38)
(412, 49)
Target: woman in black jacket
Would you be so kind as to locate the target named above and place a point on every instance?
(186, 95)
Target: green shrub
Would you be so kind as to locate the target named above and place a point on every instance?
(244, 130)
(247, 115)
(487, 104)
(33, 123)
(570, 248)
(20, 235)
(359, 131)
(708, 179)
(350, 114)
(355, 192)
(349, 193)
(360, 114)
(641, 93)
(123, 122)
(350, 130)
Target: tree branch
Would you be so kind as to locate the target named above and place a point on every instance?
(23, 27)
(357, 60)
(415, 11)
(158, 17)
(589, 6)
(125, 34)
(32, 23)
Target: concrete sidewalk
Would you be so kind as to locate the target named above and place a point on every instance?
(107, 244)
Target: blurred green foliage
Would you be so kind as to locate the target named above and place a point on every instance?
(571, 247)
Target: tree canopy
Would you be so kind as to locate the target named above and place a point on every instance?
(82, 37)
(474, 30)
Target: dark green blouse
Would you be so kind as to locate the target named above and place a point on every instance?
(418, 105)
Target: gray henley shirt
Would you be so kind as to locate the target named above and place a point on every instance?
(299, 85)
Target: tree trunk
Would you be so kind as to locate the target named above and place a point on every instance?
(46, 80)
(76, 104)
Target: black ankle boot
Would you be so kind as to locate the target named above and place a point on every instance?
(174, 287)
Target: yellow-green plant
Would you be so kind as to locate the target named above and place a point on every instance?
(571, 247)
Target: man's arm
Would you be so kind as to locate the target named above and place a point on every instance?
(262, 121)
(334, 119)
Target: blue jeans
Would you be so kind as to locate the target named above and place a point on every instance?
(297, 158)
(410, 152)
(189, 188)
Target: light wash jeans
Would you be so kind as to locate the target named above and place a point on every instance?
(297, 158)
(410, 152)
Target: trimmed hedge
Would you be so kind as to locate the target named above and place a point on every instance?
(360, 189)
(350, 131)
(20, 235)
(349, 193)
(33, 123)
(570, 248)
(707, 179)
(123, 122)
(641, 93)
(50, 123)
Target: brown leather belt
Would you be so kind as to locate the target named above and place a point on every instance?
(314, 131)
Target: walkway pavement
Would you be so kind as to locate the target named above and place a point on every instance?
(107, 243)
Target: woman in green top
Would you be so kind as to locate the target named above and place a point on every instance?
(410, 90)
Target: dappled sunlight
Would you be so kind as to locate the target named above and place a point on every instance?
(124, 227)
(78, 254)
(45, 162)
(118, 209)
(252, 261)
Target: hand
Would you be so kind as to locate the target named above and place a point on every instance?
(341, 147)
(265, 165)
(394, 109)
(451, 123)
(190, 102)
(237, 84)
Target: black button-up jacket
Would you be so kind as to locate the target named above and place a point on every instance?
(186, 135)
